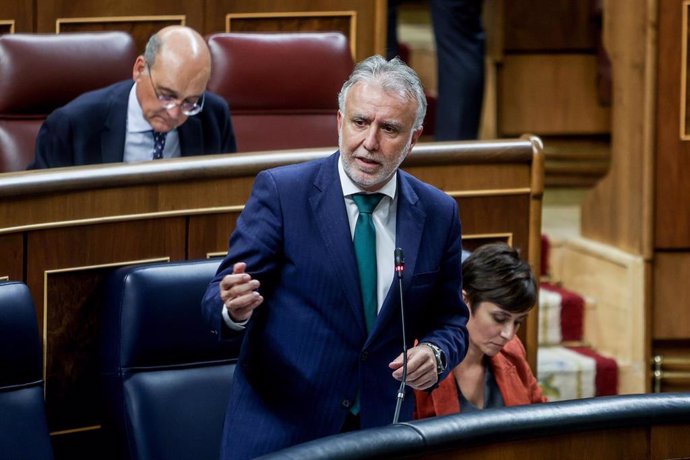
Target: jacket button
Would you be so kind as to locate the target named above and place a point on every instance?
(346, 403)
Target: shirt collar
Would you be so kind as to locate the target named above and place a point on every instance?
(350, 188)
(136, 123)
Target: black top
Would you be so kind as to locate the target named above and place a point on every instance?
(492, 394)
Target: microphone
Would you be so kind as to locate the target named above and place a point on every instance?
(399, 269)
(399, 262)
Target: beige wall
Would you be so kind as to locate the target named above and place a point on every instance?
(612, 281)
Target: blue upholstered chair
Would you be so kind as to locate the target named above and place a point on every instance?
(166, 378)
(23, 424)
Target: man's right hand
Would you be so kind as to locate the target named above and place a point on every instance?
(239, 292)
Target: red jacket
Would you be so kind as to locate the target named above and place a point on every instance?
(513, 376)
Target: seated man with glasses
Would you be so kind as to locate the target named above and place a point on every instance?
(164, 112)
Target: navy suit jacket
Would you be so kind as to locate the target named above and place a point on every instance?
(306, 353)
(91, 130)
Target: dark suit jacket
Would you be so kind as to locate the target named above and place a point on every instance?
(91, 130)
(306, 353)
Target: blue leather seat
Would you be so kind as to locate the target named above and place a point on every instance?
(166, 379)
(23, 423)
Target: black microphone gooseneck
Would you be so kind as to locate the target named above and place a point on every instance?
(399, 268)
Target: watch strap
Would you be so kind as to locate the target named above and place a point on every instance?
(438, 355)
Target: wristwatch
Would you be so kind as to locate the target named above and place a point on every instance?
(440, 356)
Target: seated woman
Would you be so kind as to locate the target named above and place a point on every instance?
(499, 289)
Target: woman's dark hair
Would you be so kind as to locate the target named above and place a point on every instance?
(495, 273)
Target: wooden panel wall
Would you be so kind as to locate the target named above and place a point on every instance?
(671, 313)
(599, 445)
(362, 20)
(647, 442)
(672, 189)
(12, 251)
(120, 15)
(366, 19)
(641, 206)
(140, 27)
(530, 26)
(551, 95)
(16, 16)
(547, 70)
(618, 210)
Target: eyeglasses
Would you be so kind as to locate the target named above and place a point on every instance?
(187, 107)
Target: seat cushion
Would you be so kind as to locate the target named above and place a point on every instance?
(23, 424)
(177, 413)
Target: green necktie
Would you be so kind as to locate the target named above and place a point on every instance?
(365, 250)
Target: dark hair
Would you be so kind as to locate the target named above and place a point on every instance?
(495, 273)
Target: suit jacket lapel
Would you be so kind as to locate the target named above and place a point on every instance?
(331, 219)
(409, 229)
(191, 137)
(115, 129)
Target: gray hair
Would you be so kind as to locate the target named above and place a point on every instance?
(394, 76)
(153, 47)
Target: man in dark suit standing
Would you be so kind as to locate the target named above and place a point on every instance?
(164, 112)
(460, 42)
(309, 284)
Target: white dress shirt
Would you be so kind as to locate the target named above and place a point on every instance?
(139, 136)
(384, 218)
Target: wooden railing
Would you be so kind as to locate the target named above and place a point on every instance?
(644, 426)
(669, 370)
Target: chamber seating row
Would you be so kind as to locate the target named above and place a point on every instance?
(64, 231)
(166, 382)
(43, 72)
(165, 378)
(282, 88)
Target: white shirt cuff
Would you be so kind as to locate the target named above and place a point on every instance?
(232, 324)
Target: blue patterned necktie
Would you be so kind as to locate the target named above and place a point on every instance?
(365, 250)
(158, 145)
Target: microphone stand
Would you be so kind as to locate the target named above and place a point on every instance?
(399, 268)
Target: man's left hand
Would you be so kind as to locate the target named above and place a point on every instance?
(421, 367)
